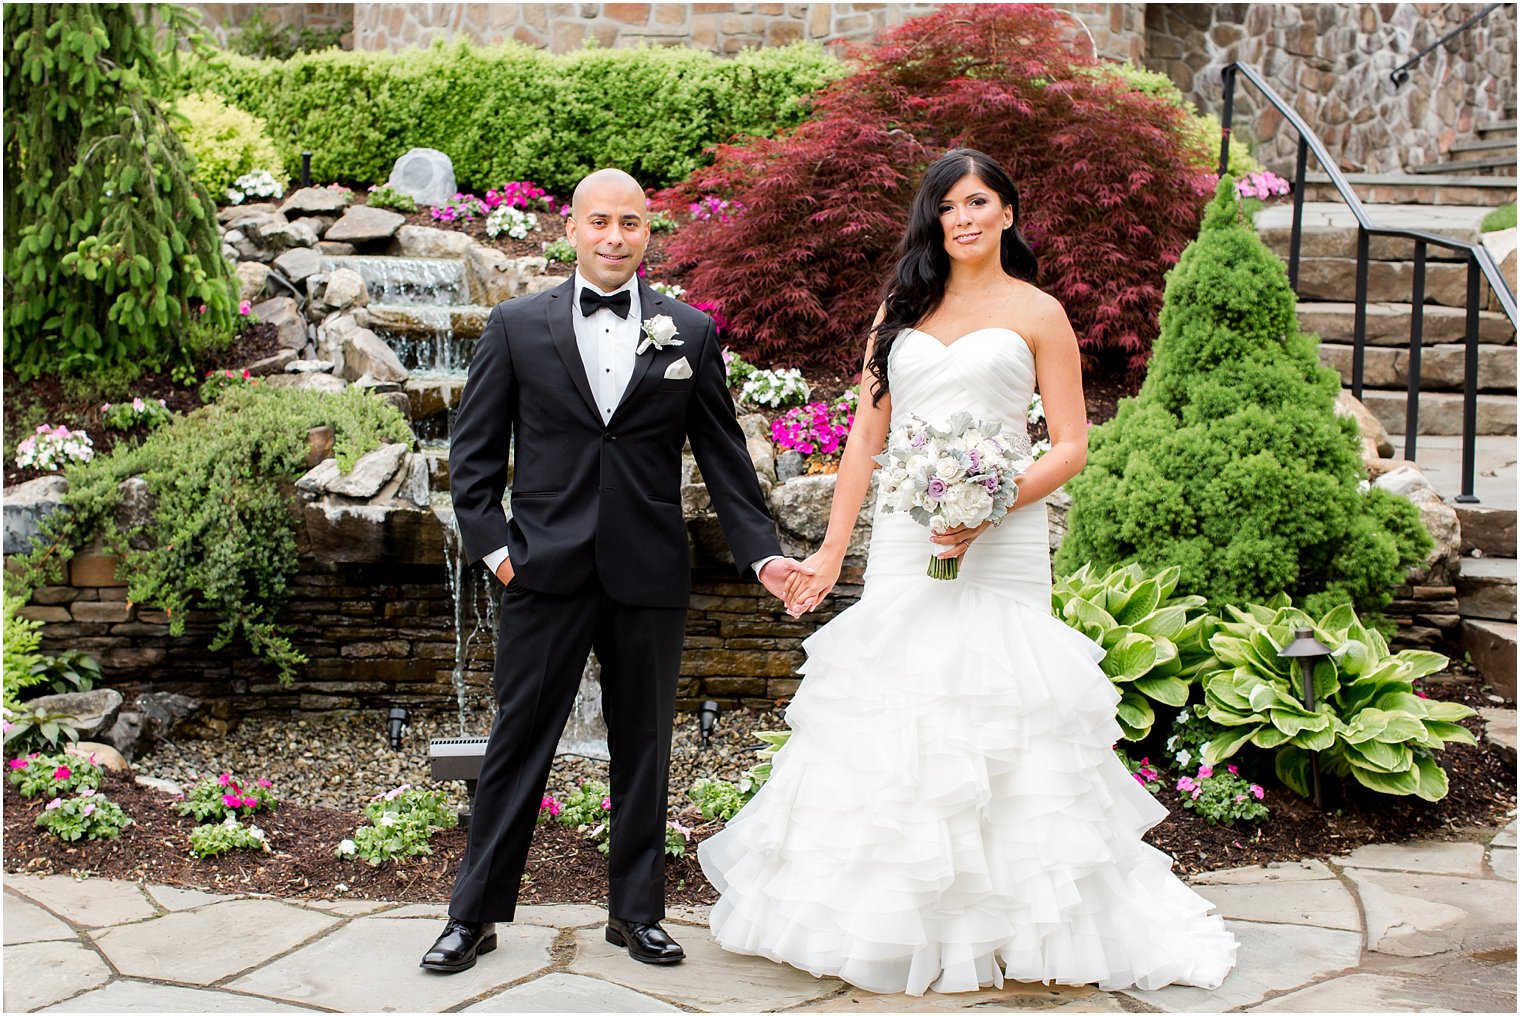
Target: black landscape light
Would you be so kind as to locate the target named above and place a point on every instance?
(707, 716)
(305, 169)
(1308, 651)
(396, 724)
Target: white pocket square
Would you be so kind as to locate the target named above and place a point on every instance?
(678, 371)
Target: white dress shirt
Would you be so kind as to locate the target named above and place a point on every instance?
(607, 345)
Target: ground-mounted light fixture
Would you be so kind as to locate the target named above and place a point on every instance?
(1308, 651)
(396, 725)
(707, 718)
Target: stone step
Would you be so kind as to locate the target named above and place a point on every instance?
(1499, 731)
(1486, 145)
(1388, 324)
(1449, 167)
(1491, 647)
(1486, 588)
(1498, 127)
(1329, 229)
(1334, 279)
(1487, 528)
(1424, 189)
(1442, 368)
(1441, 412)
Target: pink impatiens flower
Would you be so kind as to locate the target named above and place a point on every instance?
(232, 800)
(19, 763)
(263, 783)
(1204, 772)
(89, 810)
(606, 804)
(550, 804)
(1258, 792)
(62, 773)
(55, 803)
(224, 779)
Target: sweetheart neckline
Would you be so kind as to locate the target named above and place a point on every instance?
(947, 346)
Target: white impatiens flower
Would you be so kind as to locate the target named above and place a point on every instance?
(512, 221)
(347, 849)
(1036, 409)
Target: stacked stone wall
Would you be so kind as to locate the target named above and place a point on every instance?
(377, 635)
(220, 20)
(1331, 62)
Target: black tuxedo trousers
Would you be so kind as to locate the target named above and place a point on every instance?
(601, 563)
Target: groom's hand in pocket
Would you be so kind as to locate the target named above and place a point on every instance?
(504, 571)
(778, 573)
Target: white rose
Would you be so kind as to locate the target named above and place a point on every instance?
(967, 505)
(903, 498)
(949, 467)
(661, 328)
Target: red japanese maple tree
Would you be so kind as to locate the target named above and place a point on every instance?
(1108, 198)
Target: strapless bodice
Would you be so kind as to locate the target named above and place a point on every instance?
(988, 373)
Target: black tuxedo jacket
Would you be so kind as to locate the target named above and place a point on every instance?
(588, 497)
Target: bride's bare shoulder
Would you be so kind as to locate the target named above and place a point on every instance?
(1040, 314)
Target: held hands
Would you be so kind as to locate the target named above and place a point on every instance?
(807, 587)
(778, 575)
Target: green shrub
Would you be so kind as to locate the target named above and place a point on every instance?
(1502, 217)
(1155, 643)
(501, 114)
(256, 36)
(111, 246)
(1231, 463)
(225, 141)
(221, 536)
(23, 637)
(1367, 722)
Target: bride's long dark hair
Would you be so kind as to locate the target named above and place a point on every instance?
(917, 283)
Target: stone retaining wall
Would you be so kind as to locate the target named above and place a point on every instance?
(382, 634)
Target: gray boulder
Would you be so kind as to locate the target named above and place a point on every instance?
(236, 213)
(345, 290)
(1440, 520)
(366, 354)
(26, 505)
(297, 263)
(282, 235)
(311, 381)
(370, 473)
(252, 276)
(285, 315)
(88, 712)
(365, 225)
(427, 242)
(315, 200)
(426, 175)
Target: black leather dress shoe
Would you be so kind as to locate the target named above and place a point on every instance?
(458, 946)
(646, 943)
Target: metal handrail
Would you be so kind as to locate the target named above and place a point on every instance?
(1400, 74)
(1478, 259)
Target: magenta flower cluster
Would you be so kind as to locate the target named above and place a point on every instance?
(460, 208)
(552, 805)
(817, 428)
(234, 798)
(519, 194)
(1146, 773)
(713, 207)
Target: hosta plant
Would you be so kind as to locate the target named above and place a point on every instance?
(1367, 722)
(1155, 643)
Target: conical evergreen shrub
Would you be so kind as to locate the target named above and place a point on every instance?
(1231, 463)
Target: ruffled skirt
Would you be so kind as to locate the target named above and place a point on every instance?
(949, 811)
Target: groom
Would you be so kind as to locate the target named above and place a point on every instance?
(600, 381)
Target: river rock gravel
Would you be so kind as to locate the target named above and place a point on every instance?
(340, 760)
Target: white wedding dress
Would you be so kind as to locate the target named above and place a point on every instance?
(949, 811)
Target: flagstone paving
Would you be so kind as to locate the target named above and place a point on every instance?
(1412, 927)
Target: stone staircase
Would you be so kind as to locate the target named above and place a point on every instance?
(1493, 151)
(1486, 587)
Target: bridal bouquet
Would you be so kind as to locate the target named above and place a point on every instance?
(961, 474)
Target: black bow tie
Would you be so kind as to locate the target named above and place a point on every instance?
(618, 303)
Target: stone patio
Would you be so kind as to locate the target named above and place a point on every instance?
(1414, 927)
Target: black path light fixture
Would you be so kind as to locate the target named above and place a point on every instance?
(395, 724)
(305, 169)
(707, 718)
(1308, 651)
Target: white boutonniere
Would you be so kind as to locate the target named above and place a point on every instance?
(659, 332)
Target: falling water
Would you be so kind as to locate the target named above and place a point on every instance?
(586, 732)
(425, 282)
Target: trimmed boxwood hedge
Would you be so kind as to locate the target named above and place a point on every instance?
(517, 113)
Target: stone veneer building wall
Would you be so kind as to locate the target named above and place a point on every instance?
(1331, 63)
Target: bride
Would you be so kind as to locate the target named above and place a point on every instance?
(949, 811)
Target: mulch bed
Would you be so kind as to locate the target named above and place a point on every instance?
(564, 868)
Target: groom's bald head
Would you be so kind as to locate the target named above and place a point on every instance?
(609, 226)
